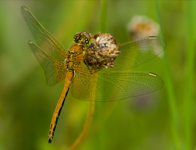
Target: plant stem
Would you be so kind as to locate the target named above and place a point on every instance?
(170, 92)
(103, 16)
(188, 99)
(89, 117)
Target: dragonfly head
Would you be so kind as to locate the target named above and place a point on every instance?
(83, 39)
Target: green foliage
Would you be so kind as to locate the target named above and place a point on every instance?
(163, 120)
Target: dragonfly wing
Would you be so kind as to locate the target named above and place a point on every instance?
(49, 45)
(121, 85)
(114, 85)
(135, 53)
(81, 83)
(55, 71)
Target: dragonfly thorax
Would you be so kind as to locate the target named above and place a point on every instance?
(74, 57)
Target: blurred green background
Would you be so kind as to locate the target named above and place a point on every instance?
(163, 120)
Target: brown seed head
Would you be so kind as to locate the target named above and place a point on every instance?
(103, 52)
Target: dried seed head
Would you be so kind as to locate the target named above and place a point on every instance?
(103, 52)
(141, 26)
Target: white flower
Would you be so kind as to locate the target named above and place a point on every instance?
(141, 26)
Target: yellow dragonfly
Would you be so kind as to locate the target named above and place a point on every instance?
(112, 84)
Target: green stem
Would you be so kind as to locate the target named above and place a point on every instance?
(80, 7)
(188, 99)
(103, 16)
(170, 92)
(89, 116)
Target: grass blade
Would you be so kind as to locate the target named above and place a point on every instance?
(170, 92)
(188, 99)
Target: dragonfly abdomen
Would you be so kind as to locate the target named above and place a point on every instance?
(68, 80)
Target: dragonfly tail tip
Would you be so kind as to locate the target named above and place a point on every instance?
(49, 140)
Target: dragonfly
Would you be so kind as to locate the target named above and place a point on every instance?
(112, 84)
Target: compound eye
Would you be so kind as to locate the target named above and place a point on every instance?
(86, 41)
(76, 38)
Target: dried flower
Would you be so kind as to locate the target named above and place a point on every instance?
(103, 52)
(141, 27)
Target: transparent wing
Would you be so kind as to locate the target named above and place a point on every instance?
(114, 85)
(126, 84)
(49, 45)
(135, 53)
(81, 83)
(54, 70)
